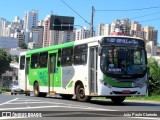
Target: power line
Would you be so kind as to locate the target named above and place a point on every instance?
(75, 12)
(145, 15)
(127, 10)
(149, 20)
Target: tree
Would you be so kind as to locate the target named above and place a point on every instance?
(154, 83)
(23, 46)
(5, 60)
(15, 58)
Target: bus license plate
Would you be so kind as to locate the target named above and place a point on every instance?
(126, 91)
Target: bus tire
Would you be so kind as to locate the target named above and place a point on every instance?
(118, 99)
(36, 89)
(80, 94)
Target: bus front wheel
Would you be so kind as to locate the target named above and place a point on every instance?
(80, 94)
(118, 99)
(36, 89)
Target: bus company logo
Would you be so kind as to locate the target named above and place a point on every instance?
(6, 114)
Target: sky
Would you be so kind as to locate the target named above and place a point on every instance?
(104, 10)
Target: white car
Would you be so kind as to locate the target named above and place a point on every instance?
(15, 88)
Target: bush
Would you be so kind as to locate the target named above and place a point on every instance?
(154, 82)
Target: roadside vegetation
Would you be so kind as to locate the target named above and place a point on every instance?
(5, 60)
(154, 82)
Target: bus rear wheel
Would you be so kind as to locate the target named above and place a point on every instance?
(80, 94)
(118, 99)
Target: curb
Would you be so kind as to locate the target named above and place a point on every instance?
(143, 101)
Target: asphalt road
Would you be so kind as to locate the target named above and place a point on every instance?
(40, 108)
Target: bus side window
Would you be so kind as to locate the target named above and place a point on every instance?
(22, 62)
(43, 60)
(59, 58)
(35, 61)
(80, 54)
(67, 56)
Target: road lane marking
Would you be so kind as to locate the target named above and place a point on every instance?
(9, 101)
(88, 108)
(58, 105)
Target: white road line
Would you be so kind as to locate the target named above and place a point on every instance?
(9, 101)
(25, 108)
(26, 103)
(60, 105)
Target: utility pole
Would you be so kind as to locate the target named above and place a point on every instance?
(91, 24)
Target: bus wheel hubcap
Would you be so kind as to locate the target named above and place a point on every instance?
(81, 93)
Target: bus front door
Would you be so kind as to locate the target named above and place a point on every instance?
(93, 69)
(51, 72)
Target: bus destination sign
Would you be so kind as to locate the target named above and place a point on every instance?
(122, 40)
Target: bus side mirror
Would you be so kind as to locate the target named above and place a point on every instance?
(99, 51)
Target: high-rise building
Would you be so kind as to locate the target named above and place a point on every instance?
(104, 29)
(30, 19)
(66, 36)
(35, 37)
(46, 32)
(53, 37)
(20, 36)
(3, 24)
(151, 34)
(82, 34)
(140, 34)
(151, 48)
(135, 26)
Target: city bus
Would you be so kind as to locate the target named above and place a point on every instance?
(114, 67)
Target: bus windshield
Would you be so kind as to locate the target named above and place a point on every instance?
(123, 61)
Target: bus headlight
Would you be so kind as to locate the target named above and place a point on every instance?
(138, 84)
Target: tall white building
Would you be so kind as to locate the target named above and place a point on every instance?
(3, 24)
(104, 29)
(151, 48)
(46, 32)
(82, 34)
(17, 24)
(66, 36)
(35, 37)
(30, 19)
(59, 37)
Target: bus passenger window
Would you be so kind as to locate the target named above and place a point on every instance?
(80, 54)
(67, 56)
(22, 62)
(35, 61)
(59, 58)
(43, 60)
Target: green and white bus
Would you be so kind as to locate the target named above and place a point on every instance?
(110, 66)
